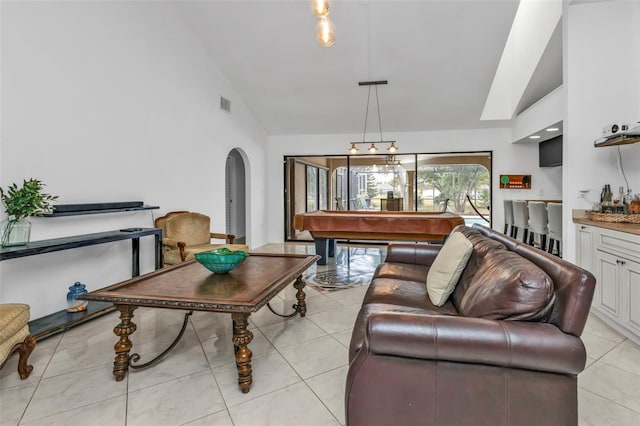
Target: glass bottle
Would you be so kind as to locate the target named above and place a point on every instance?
(73, 304)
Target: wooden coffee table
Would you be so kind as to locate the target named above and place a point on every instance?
(190, 286)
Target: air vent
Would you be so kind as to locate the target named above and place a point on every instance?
(225, 104)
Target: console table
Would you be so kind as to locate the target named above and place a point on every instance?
(62, 320)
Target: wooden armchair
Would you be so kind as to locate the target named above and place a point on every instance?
(186, 233)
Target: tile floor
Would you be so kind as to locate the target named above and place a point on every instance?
(299, 367)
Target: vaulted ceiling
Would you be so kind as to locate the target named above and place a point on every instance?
(439, 57)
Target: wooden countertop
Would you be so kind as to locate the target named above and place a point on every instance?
(630, 228)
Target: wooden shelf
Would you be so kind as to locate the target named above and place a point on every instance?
(621, 140)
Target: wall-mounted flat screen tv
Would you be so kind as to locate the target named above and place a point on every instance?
(550, 152)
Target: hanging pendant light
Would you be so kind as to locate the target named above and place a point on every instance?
(392, 148)
(325, 32)
(320, 8)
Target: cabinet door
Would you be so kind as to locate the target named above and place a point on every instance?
(607, 273)
(584, 247)
(630, 275)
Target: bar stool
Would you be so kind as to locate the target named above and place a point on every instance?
(508, 218)
(521, 219)
(538, 223)
(555, 226)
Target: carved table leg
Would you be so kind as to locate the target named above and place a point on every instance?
(241, 339)
(300, 296)
(124, 330)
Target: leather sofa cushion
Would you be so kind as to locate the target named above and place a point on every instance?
(402, 271)
(392, 295)
(445, 272)
(508, 286)
(482, 246)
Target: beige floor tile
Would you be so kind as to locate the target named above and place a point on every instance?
(176, 402)
(344, 337)
(330, 387)
(66, 392)
(82, 348)
(104, 413)
(294, 331)
(221, 418)
(185, 359)
(316, 356)
(612, 383)
(13, 402)
(598, 327)
(596, 345)
(294, 405)
(337, 319)
(625, 356)
(270, 372)
(594, 410)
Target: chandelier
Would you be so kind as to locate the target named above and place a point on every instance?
(325, 30)
(392, 148)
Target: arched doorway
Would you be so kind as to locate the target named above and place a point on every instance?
(235, 196)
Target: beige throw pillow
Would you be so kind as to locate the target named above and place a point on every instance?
(447, 268)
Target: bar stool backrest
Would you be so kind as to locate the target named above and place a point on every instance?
(520, 214)
(538, 217)
(555, 221)
(508, 212)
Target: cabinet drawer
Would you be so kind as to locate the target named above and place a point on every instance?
(620, 243)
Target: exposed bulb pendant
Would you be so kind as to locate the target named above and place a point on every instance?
(320, 8)
(325, 32)
(373, 149)
(392, 148)
(353, 149)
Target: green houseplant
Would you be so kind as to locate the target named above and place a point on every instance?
(21, 203)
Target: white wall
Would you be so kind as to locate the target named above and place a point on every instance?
(602, 86)
(508, 158)
(114, 102)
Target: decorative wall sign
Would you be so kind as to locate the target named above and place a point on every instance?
(515, 181)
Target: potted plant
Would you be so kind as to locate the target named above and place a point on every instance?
(21, 203)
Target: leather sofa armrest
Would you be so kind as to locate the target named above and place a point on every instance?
(510, 344)
(417, 254)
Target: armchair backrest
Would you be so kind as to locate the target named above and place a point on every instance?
(191, 228)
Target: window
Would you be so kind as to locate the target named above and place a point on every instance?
(406, 182)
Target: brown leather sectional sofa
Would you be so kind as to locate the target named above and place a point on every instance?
(505, 349)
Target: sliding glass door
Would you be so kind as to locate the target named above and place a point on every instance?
(455, 182)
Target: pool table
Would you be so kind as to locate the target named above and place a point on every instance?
(326, 226)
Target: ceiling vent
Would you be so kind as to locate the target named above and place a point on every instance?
(225, 104)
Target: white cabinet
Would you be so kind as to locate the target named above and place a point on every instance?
(614, 259)
(584, 247)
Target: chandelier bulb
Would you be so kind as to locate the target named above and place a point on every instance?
(392, 148)
(373, 149)
(325, 32)
(320, 8)
(353, 149)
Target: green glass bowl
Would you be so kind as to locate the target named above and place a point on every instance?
(222, 260)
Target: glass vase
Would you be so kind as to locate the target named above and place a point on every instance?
(14, 232)
(73, 304)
